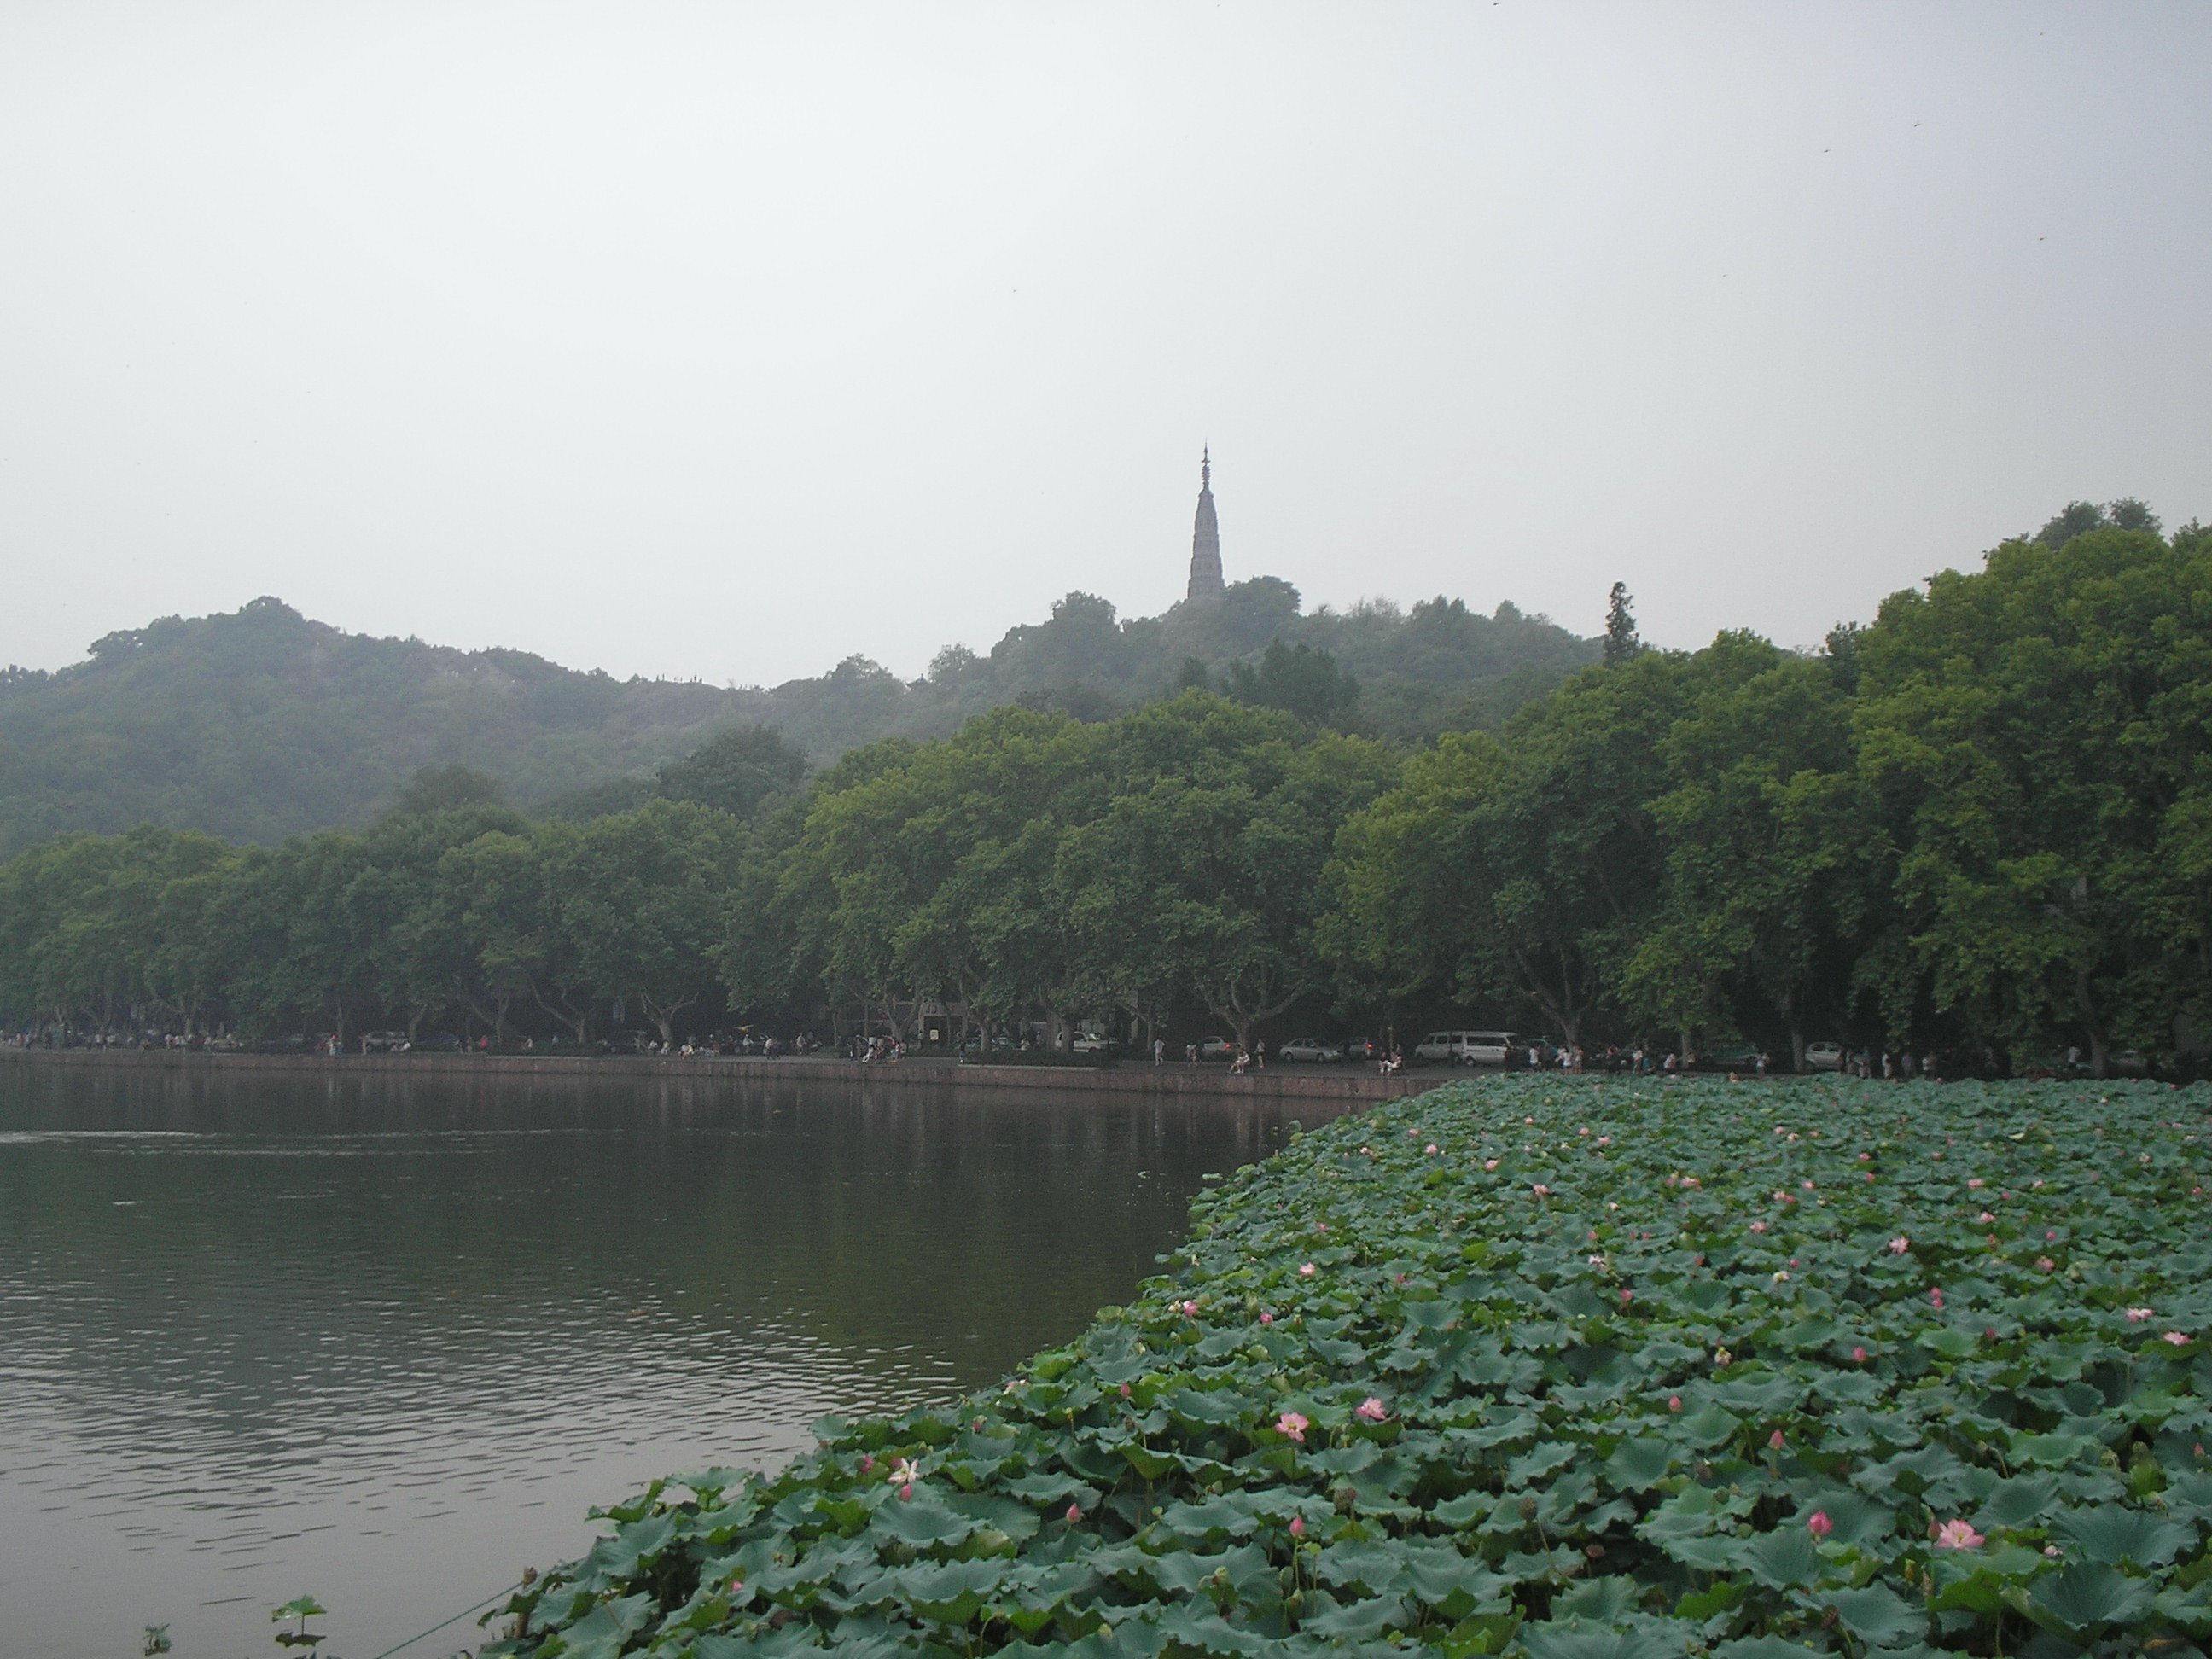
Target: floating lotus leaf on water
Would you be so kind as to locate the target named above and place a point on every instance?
(1829, 1367)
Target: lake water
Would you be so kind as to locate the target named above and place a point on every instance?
(387, 1339)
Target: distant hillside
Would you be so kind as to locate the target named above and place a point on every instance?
(262, 723)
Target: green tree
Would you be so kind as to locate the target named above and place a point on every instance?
(1770, 860)
(445, 789)
(1296, 679)
(2035, 737)
(645, 899)
(739, 772)
(1524, 868)
(1619, 643)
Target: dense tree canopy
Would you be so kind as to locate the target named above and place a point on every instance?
(1982, 823)
(263, 724)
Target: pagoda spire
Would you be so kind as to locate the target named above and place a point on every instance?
(1205, 582)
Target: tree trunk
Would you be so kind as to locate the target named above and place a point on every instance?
(1797, 1048)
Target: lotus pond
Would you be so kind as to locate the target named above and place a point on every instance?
(1573, 1369)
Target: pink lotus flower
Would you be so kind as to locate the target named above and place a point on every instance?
(1775, 1440)
(2043, 1264)
(1974, 1183)
(1758, 1226)
(1430, 1150)
(1674, 1402)
(1267, 1319)
(2178, 1339)
(1293, 1425)
(1721, 1357)
(1125, 1391)
(1490, 1164)
(1899, 1245)
(1936, 1298)
(1308, 1271)
(1373, 1410)
(905, 1472)
(1818, 1523)
(1190, 1310)
(1541, 1190)
(1985, 1218)
(906, 1491)
(1858, 1356)
(867, 1462)
(1297, 1526)
(1958, 1536)
(1074, 1513)
(1626, 1296)
(2136, 1316)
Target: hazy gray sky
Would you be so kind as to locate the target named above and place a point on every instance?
(729, 340)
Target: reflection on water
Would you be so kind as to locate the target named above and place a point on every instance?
(386, 1341)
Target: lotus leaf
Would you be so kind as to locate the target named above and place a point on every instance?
(1521, 1425)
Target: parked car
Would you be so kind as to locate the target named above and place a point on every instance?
(1825, 1056)
(1217, 1048)
(1310, 1051)
(1738, 1057)
(384, 1042)
(1090, 1042)
(1465, 1048)
(1000, 1044)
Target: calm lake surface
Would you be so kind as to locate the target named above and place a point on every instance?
(387, 1339)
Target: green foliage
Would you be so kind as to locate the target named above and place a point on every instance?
(262, 723)
(1296, 679)
(301, 1607)
(1563, 1371)
(1619, 643)
(1987, 818)
(740, 772)
(1982, 824)
(445, 789)
(2034, 741)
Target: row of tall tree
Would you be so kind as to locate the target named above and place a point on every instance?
(1984, 821)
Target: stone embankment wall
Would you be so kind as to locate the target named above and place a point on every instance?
(1349, 1083)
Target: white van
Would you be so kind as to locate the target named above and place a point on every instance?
(1466, 1047)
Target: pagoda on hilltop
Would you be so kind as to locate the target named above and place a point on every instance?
(1205, 581)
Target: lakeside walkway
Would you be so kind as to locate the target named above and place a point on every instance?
(1184, 1080)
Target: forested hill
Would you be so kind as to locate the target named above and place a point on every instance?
(262, 723)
